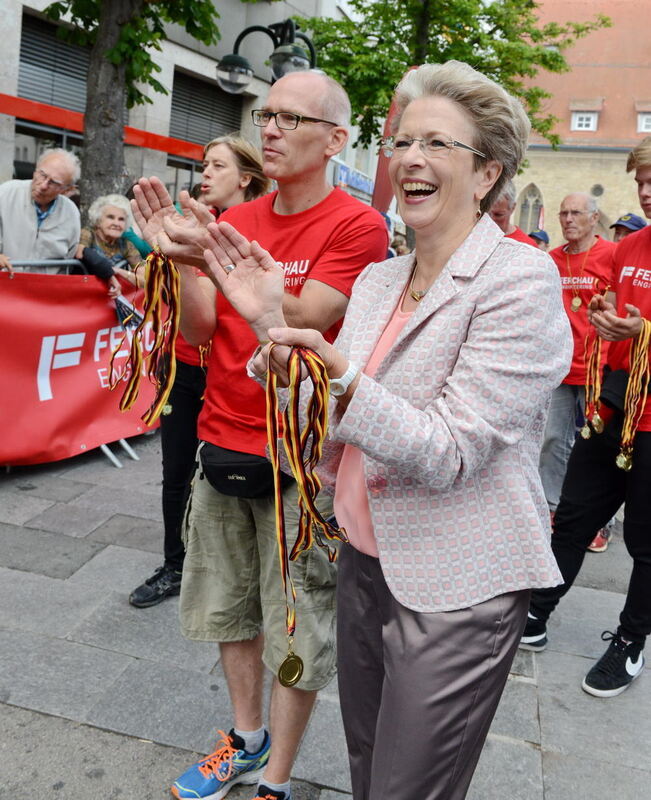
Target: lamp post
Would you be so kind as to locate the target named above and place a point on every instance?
(234, 72)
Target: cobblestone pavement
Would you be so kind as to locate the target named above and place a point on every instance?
(102, 701)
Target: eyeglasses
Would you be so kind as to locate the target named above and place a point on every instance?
(433, 147)
(285, 120)
(572, 214)
(43, 177)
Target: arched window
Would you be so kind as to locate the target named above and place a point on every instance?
(530, 204)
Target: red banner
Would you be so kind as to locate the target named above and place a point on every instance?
(57, 333)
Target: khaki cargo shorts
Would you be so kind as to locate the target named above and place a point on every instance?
(232, 587)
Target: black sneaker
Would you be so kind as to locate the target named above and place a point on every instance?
(535, 634)
(618, 667)
(265, 793)
(163, 583)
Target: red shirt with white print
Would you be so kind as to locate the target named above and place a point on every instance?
(632, 284)
(582, 276)
(330, 242)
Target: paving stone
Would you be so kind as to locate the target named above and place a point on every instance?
(128, 531)
(48, 486)
(517, 713)
(42, 552)
(54, 676)
(507, 770)
(69, 519)
(145, 473)
(575, 723)
(46, 756)
(165, 704)
(577, 623)
(141, 501)
(329, 794)
(590, 779)
(17, 507)
(523, 664)
(43, 605)
(148, 633)
(118, 569)
(609, 571)
(323, 758)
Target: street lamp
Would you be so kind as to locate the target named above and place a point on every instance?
(234, 73)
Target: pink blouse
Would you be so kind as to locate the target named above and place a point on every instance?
(351, 501)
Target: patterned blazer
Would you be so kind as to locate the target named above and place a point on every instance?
(451, 425)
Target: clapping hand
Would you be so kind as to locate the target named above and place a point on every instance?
(248, 277)
(180, 236)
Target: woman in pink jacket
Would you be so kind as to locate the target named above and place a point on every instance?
(441, 378)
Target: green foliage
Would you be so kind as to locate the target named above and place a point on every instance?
(140, 32)
(502, 38)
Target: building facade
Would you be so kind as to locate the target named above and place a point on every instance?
(604, 108)
(43, 96)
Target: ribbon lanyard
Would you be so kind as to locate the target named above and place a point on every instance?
(162, 291)
(312, 527)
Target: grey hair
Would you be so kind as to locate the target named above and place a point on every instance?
(73, 162)
(508, 193)
(502, 126)
(335, 101)
(591, 204)
(117, 200)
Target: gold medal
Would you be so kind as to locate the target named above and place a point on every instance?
(597, 424)
(624, 461)
(576, 303)
(290, 671)
(586, 433)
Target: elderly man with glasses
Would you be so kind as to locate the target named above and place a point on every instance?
(585, 266)
(231, 587)
(36, 220)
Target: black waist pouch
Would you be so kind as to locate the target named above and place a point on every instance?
(238, 474)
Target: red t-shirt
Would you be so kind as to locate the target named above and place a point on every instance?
(632, 283)
(588, 273)
(186, 352)
(331, 242)
(520, 236)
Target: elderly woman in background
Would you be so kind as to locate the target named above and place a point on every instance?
(102, 247)
(441, 378)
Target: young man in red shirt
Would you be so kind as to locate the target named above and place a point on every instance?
(595, 486)
(585, 265)
(231, 587)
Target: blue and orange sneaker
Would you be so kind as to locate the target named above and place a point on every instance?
(213, 777)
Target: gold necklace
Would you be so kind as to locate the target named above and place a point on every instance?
(575, 305)
(416, 294)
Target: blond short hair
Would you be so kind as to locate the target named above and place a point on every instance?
(500, 120)
(249, 162)
(640, 155)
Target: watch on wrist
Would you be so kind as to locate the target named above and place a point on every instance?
(339, 386)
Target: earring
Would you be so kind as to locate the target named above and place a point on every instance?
(478, 214)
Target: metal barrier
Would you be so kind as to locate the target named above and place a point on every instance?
(53, 266)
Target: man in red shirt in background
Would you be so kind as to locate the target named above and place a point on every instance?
(585, 265)
(595, 486)
(501, 212)
(231, 590)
